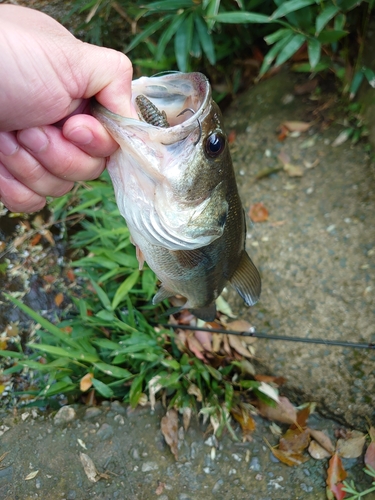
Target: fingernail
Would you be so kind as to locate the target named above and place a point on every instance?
(80, 135)
(34, 139)
(8, 143)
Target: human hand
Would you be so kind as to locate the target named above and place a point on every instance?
(48, 75)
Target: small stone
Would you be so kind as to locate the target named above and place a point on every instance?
(135, 454)
(92, 412)
(217, 486)
(117, 407)
(105, 432)
(305, 488)
(119, 419)
(254, 464)
(232, 472)
(236, 457)
(149, 466)
(64, 415)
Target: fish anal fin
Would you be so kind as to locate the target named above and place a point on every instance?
(246, 280)
(207, 313)
(161, 295)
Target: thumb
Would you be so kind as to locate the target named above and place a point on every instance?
(109, 75)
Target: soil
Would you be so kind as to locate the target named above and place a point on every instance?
(316, 255)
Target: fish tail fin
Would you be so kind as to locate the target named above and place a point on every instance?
(246, 280)
(207, 313)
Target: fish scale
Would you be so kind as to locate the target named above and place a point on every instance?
(175, 186)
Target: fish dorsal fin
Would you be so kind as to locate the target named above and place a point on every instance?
(205, 313)
(246, 280)
(161, 295)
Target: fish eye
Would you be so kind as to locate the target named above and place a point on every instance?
(215, 144)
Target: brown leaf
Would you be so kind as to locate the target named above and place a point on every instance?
(48, 236)
(290, 459)
(205, 339)
(370, 455)
(169, 429)
(283, 412)
(49, 278)
(335, 474)
(239, 325)
(89, 467)
(35, 240)
(195, 346)
(323, 440)
(231, 137)
(244, 418)
(304, 414)
(351, 447)
(86, 382)
(293, 170)
(258, 212)
(59, 298)
(317, 451)
(237, 344)
(283, 133)
(294, 440)
(295, 126)
(270, 379)
(70, 275)
(217, 339)
(12, 329)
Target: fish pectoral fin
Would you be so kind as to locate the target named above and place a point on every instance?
(246, 280)
(189, 258)
(205, 313)
(161, 295)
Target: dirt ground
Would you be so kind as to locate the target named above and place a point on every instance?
(316, 257)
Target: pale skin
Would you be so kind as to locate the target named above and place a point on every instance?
(47, 75)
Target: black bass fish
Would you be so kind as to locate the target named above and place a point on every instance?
(175, 186)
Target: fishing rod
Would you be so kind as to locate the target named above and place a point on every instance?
(270, 336)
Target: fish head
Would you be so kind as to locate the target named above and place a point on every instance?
(171, 181)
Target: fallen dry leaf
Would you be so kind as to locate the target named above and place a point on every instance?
(351, 447)
(186, 417)
(296, 126)
(293, 170)
(205, 339)
(239, 325)
(335, 474)
(283, 412)
(323, 440)
(238, 345)
(317, 451)
(258, 212)
(59, 298)
(370, 455)
(86, 382)
(194, 390)
(294, 440)
(270, 379)
(169, 429)
(35, 240)
(288, 458)
(31, 475)
(341, 138)
(89, 468)
(195, 346)
(245, 420)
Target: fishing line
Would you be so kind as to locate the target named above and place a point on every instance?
(270, 336)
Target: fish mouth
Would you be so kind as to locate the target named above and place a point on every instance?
(174, 94)
(154, 169)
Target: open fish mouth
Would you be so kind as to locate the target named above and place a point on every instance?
(173, 96)
(155, 170)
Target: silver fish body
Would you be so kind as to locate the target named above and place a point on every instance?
(176, 188)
